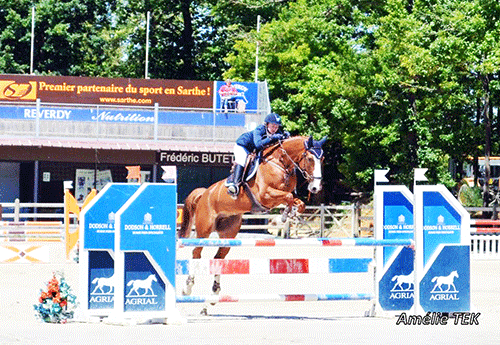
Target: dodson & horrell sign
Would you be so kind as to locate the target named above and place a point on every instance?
(116, 91)
(195, 158)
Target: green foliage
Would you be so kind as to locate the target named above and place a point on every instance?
(396, 84)
(470, 196)
(69, 37)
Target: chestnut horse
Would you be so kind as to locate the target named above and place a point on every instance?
(213, 209)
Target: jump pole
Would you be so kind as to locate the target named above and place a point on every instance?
(305, 242)
(280, 266)
(275, 298)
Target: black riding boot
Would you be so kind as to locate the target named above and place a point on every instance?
(233, 185)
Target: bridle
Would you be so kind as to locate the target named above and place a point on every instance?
(297, 165)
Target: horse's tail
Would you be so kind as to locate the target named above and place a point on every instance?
(188, 211)
(434, 279)
(130, 282)
(95, 280)
(394, 278)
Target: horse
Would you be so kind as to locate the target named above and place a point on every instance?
(213, 209)
(447, 280)
(145, 284)
(102, 282)
(402, 279)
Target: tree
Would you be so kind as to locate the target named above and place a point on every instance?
(315, 57)
(393, 84)
(70, 37)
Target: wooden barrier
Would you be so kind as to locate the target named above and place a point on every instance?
(31, 231)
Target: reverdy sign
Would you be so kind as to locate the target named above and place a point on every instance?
(195, 158)
(116, 91)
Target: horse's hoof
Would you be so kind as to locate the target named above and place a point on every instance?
(204, 312)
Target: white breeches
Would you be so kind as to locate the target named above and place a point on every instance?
(240, 155)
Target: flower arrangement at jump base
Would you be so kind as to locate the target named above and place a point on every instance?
(57, 304)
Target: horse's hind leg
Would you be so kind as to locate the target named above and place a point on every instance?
(221, 254)
(203, 230)
(188, 288)
(227, 227)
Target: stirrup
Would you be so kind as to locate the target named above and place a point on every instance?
(233, 189)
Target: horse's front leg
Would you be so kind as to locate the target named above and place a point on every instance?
(299, 205)
(274, 197)
(292, 211)
(270, 198)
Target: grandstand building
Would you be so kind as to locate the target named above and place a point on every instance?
(88, 130)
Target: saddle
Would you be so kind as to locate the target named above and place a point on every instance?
(250, 169)
(249, 172)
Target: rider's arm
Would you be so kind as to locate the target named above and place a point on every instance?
(260, 139)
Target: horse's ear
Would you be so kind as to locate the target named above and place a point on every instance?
(310, 142)
(322, 141)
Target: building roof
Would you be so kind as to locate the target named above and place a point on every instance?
(115, 144)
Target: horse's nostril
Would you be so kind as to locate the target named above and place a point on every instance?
(314, 189)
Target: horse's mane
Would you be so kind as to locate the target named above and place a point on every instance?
(268, 151)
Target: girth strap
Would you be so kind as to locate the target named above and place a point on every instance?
(256, 205)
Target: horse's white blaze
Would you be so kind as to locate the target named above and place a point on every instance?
(315, 185)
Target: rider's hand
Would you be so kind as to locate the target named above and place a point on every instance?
(286, 135)
(276, 137)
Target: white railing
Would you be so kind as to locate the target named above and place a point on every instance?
(316, 221)
(20, 211)
(485, 246)
(17, 219)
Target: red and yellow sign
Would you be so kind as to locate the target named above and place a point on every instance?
(118, 91)
(11, 90)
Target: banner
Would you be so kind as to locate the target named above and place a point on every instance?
(137, 116)
(116, 91)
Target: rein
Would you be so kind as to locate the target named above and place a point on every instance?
(304, 173)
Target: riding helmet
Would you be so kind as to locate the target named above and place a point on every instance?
(273, 118)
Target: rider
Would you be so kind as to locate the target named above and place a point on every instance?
(268, 133)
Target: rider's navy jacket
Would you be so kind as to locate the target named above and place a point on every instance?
(256, 139)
